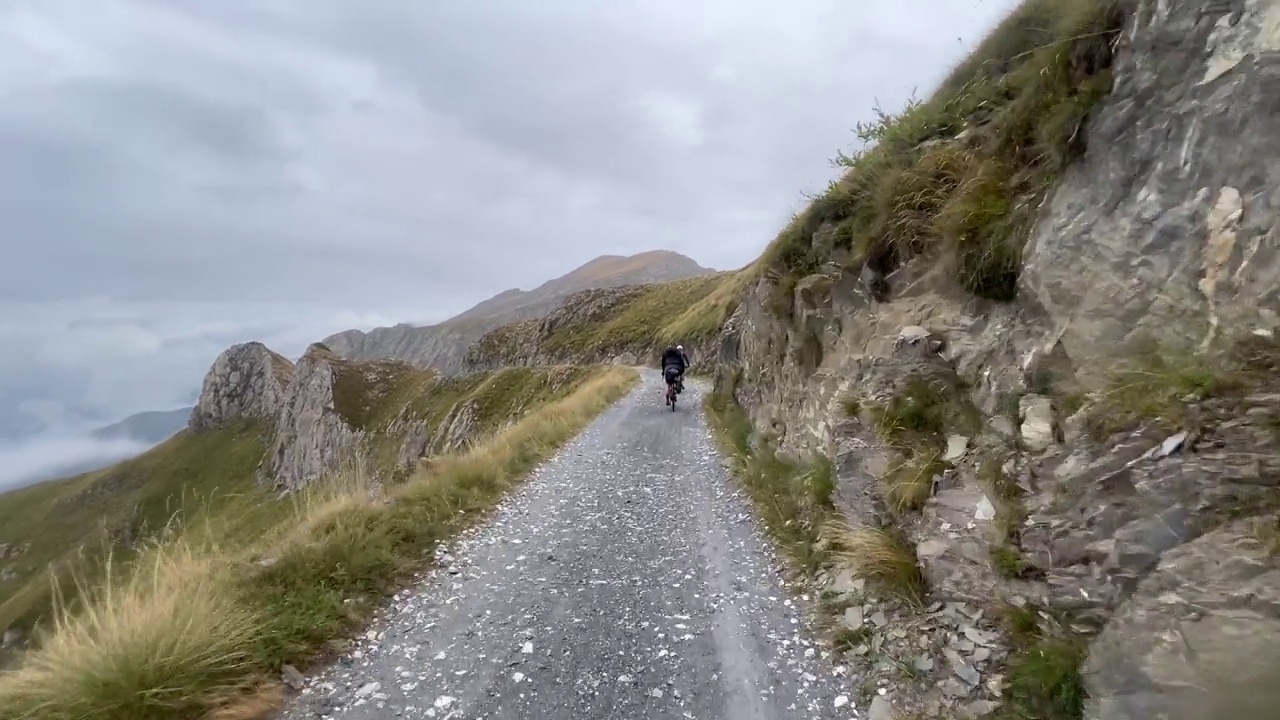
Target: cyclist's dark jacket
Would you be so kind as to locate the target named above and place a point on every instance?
(672, 357)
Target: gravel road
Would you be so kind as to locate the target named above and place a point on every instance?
(625, 579)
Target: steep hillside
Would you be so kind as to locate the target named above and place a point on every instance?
(1030, 336)
(443, 346)
(262, 425)
(152, 426)
(628, 325)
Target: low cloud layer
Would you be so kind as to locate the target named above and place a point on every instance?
(179, 176)
(39, 459)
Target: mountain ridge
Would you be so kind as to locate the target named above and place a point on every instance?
(444, 345)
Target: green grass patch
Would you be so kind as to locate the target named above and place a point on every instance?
(1042, 676)
(369, 395)
(1007, 557)
(1155, 385)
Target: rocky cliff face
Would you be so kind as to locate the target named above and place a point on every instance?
(1002, 438)
(247, 380)
(324, 413)
(444, 346)
(311, 436)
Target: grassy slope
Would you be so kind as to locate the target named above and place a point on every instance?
(71, 523)
(200, 625)
(209, 478)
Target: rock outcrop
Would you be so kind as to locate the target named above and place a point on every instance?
(1200, 638)
(1168, 224)
(311, 437)
(444, 346)
(1164, 228)
(377, 418)
(245, 381)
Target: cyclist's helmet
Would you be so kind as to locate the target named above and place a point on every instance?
(680, 347)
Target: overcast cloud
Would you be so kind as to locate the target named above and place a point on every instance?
(177, 176)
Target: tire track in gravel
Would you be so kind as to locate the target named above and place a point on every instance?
(625, 578)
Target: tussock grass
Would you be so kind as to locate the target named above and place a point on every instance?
(70, 524)
(882, 557)
(196, 630)
(909, 484)
(166, 642)
(961, 176)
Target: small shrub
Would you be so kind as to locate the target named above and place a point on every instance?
(852, 407)
(846, 638)
(1009, 562)
(919, 411)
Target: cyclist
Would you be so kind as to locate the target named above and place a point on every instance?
(674, 363)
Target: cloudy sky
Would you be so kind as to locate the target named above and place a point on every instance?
(179, 175)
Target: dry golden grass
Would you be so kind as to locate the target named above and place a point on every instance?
(909, 484)
(881, 557)
(195, 630)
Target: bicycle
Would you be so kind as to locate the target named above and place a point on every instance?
(673, 381)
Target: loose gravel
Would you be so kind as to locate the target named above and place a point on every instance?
(625, 579)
